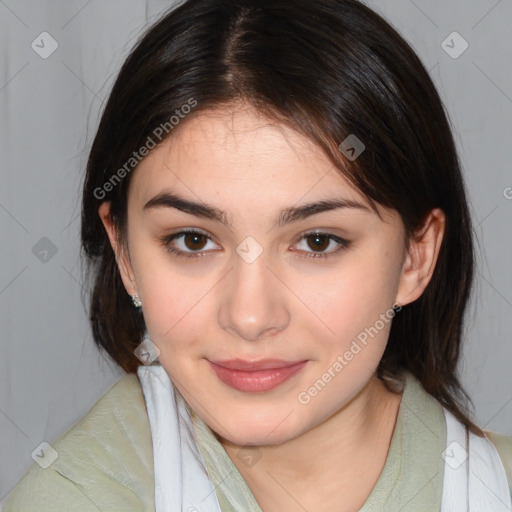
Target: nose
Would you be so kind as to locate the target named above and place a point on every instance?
(254, 304)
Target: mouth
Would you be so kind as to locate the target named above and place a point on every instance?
(255, 376)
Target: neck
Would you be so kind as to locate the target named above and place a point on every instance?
(341, 458)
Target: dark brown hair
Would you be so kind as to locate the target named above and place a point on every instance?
(328, 69)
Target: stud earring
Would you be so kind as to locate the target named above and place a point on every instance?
(136, 301)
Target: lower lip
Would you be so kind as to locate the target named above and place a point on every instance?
(256, 381)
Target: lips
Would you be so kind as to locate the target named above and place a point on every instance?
(263, 364)
(255, 376)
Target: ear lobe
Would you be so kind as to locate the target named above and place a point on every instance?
(121, 259)
(420, 261)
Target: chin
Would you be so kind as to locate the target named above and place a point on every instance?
(273, 431)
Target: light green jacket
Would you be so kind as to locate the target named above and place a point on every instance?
(105, 460)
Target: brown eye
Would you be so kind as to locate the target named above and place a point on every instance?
(188, 243)
(194, 241)
(318, 245)
(318, 241)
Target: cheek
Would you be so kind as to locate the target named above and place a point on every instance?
(356, 294)
(352, 306)
(357, 306)
(180, 314)
(173, 301)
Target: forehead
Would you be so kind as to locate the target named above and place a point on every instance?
(241, 150)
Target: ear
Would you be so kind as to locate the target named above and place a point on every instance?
(421, 258)
(123, 263)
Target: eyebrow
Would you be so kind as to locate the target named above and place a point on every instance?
(286, 216)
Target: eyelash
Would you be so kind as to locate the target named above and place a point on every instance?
(165, 241)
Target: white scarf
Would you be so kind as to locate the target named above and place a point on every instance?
(181, 484)
(473, 475)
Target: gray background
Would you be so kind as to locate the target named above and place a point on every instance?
(50, 372)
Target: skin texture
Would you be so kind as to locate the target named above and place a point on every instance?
(282, 305)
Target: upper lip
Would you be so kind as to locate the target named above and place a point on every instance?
(263, 364)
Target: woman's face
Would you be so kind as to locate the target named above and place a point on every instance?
(252, 284)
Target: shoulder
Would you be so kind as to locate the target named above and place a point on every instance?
(103, 462)
(503, 445)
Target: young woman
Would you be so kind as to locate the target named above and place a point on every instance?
(278, 236)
